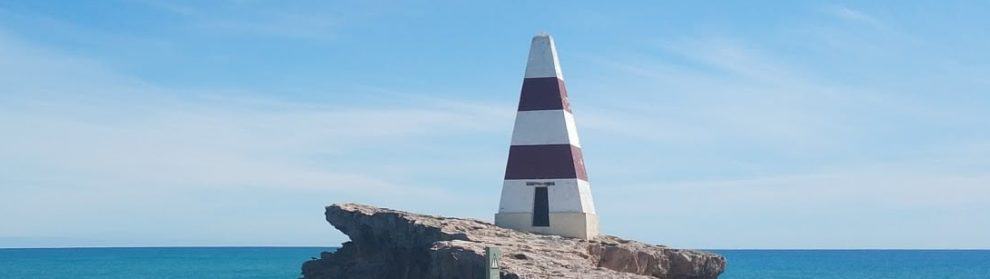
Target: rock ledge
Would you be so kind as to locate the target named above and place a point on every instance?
(387, 243)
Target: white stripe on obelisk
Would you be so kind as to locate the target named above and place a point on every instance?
(566, 195)
(537, 127)
(543, 60)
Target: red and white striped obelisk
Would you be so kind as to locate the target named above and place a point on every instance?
(546, 188)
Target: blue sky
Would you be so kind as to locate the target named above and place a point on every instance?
(749, 124)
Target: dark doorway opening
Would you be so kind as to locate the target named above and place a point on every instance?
(541, 207)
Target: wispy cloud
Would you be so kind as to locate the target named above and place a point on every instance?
(799, 134)
(718, 115)
(79, 131)
(315, 26)
(866, 206)
(256, 19)
(731, 91)
(856, 16)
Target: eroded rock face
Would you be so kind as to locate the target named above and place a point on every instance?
(394, 244)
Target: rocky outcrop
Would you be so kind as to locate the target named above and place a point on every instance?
(394, 244)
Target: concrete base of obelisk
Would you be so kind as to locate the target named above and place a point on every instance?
(570, 224)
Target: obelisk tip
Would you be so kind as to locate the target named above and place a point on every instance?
(543, 61)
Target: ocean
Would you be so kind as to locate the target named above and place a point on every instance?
(834, 264)
(193, 262)
(268, 262)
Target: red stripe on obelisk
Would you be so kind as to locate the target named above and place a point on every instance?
(549, 161)
(544, 93)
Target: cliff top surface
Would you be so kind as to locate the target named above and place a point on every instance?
(388, 243)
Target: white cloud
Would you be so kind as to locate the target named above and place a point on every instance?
(290, 25)
(857, 16)
(732, 92)
(281, 20)
(892, 206)
(755, 151)
(823, 136)
(109, 153)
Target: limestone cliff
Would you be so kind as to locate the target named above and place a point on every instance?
(394, 244)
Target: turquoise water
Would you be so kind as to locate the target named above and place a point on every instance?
(285, 263)
(239, 262)
(828, 264)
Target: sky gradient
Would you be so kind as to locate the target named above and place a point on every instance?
(748, 124)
